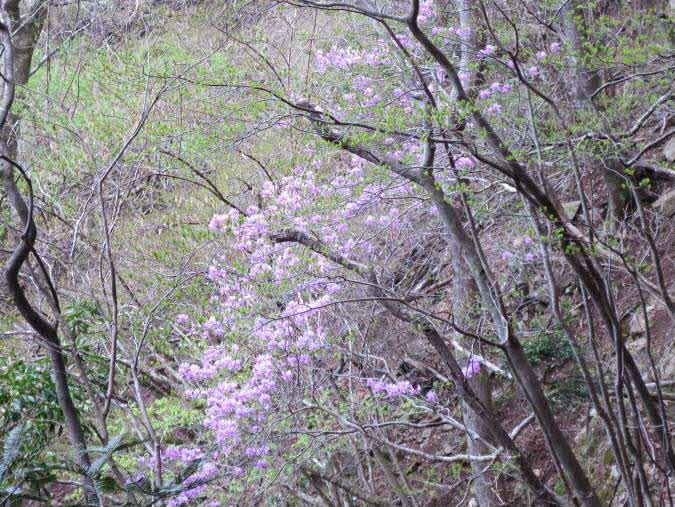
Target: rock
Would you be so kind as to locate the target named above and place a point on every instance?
(638, 345)
(449, 448)
(572, 209)
(666, 203)
(669, 150)
(637, 324)
(668, 368)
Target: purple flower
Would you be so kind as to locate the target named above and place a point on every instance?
(506, 255)
(529, 257)
(533, 71)
(137, 479)
(494, 108)
(540, 55)
(555, 47)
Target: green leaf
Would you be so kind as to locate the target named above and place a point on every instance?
(115, 444)
(11, 449)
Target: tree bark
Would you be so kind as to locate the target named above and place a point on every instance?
(465, 298)
(585, 81)
(18, 55)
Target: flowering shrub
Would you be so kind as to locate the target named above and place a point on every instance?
(278, 321)
(334, 262)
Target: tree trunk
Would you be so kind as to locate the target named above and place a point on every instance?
(465, 298)
(17, 65)
(523, 372)
(485, 483)
(585, 80)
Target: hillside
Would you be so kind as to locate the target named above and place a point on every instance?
(337, 253)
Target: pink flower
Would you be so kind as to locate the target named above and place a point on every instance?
(426, 11)
(401, 388)
(217, 222)
(487, 51)
(461, 32)
(472, 368)
(505, 88)
(498, 87)
(465, 163)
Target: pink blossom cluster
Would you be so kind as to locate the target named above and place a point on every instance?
(426, 12)
(206, 472)
(275, 300)
(495, 88)
(400, 388)
(462, 32)
(488, 50)
(215, 361)
(177, 458)
(343, 58)
(236, 411)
